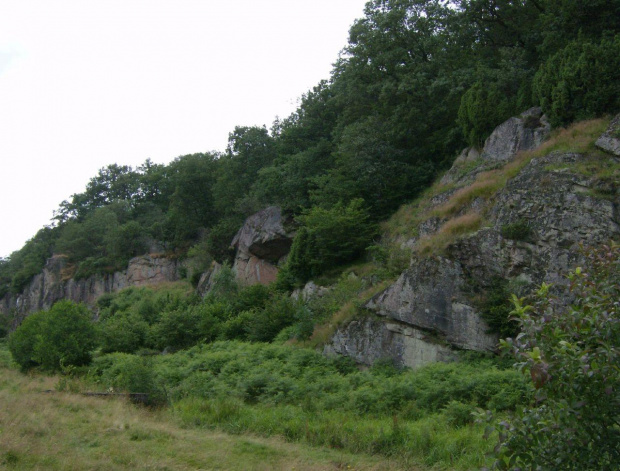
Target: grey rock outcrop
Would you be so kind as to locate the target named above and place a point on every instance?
(521, 133)
(261, 244)
(53, 284)
(310, 291)
(429, 296)
(610, 140)
(207, 279)
(368, 340)
(533, 232)
(524, 132)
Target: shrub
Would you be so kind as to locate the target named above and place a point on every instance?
(483, 107)
(496, 309)
(5, 324)
(133, 374)
(123, 332)
(581, 81)
(459, 414)
(62, 336)
(570, 354)
(266, 323)
(181, 328)
(22, 342)
(329, 237)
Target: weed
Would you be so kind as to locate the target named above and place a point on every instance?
(519, 230)
(449, 232)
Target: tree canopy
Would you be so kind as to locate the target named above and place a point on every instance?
(417, 81)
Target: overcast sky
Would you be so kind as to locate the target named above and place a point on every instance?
(84, 84)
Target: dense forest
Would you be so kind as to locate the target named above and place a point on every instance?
(418, 81)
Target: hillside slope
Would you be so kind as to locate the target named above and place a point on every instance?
(497, 223)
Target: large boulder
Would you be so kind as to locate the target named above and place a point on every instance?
(610, 140)
(524, 132)
(261, 244)
(520, 133)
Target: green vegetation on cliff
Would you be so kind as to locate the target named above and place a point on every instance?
(417, 81)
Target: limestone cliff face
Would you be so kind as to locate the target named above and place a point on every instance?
(51, 285)
(428, 312)
(262, 242)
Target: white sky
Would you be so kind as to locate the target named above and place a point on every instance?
(87, 83)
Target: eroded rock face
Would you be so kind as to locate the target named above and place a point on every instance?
(52, 284)
(368, 340)
(610, 140)
(260, 245)
(429, 296)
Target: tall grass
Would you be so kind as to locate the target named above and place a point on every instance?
(302, 396)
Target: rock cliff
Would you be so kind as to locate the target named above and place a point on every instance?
(51, 284)
(262, 242)
(531, 232)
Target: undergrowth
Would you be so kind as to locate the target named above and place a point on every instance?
(305, 397)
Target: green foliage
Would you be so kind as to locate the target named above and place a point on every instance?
(370, 167)
(496, 308)
(22, 342)
(224, 284)
(19, 269)
(519, 230)
(459, 414)
(278, 313)
(581, 81)
(570, 354)
(329, 237)
(63, 336)
(133, 374)
(5, 325)
(302, 376)
(483, 107)
(301, 395)
(138, 318)
(181, 328)
(124, 332)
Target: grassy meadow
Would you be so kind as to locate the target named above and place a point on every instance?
(63, 430)
(310, 413)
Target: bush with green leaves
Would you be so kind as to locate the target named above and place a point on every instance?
(495, 308)
(581, 81)
(329, 237)
(301, 395)
(130, 373)
(571, 355)
(483, 107)
(63, 336)
(5, 325)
